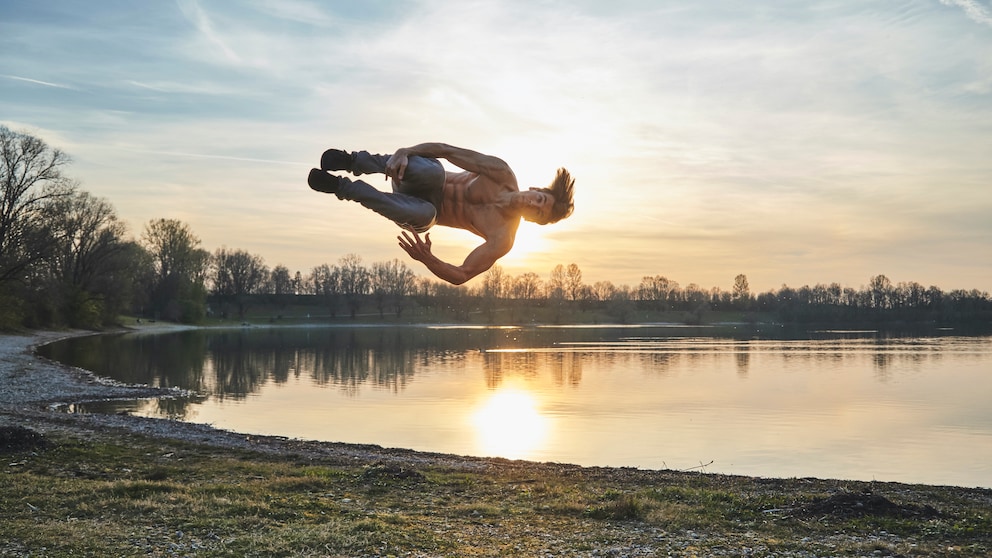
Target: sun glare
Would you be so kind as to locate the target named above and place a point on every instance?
(509, 425)
(530, 240)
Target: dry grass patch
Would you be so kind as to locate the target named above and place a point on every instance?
(125, 494)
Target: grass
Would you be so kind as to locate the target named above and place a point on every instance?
(123, 494)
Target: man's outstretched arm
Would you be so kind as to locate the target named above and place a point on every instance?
(472, 161)
(478, 260)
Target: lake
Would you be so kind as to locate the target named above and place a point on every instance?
(830, 404)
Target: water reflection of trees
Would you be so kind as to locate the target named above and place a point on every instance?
(174, 360)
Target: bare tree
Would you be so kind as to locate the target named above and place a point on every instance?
(655, 289)
(527, 286)
(354, 281)
(391, 283)
(603, 290)
(494, 284)
(181, 267)
(298, 285)
(281, 281)
(30, 177)
(742, 292)
(237, 275)
(556, 283)
(573, 282)
(325, 283)
(91, 266)
(880, 292)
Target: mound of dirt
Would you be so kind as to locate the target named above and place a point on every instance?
(847, 505)
(384, 471)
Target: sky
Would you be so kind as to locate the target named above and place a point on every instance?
(794, 142)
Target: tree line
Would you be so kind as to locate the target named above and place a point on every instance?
(66, 259)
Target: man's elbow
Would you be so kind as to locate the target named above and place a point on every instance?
(460, 277)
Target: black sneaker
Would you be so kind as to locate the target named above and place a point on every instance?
(335, 159)
(323, 182)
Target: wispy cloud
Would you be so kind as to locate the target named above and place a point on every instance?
(39, 82)
(209, 156)
(196, 15)
(209, 88)
(973, 8)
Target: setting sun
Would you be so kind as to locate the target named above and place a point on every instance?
(508, 424)
(530, 240)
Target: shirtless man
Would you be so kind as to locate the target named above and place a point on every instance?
(483, 199)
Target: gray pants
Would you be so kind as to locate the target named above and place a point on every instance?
(413, 203)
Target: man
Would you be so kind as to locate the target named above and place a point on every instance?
(483, 199)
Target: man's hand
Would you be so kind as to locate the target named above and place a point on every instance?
(396, 165)
(418, 249)
(478, 260)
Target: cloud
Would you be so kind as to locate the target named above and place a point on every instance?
(39, 82)
(973, 8)
(185, 155)
(196, 15)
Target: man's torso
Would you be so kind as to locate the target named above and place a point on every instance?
(477, 204)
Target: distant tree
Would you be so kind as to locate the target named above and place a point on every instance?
(391, 282)
(603, 290)
(880, 292)
(655, 291)
(403, 285)
(281, 281)
(237, 275)
(573, 282)
(325, 283)
(495, 283)
(180, 269)
(526, 286)
(741, 295)
(695, 296)
(621, 305)
(354, 281)
(495, 287)
(556, 283)
(298, 284)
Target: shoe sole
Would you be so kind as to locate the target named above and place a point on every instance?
(322, 182)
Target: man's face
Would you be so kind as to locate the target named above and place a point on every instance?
(537, 205)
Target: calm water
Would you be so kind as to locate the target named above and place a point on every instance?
(833, 404)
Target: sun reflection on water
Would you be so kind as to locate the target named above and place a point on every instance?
(509, 424)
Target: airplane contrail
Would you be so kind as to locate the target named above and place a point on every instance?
(209, 156)
(37, 81)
